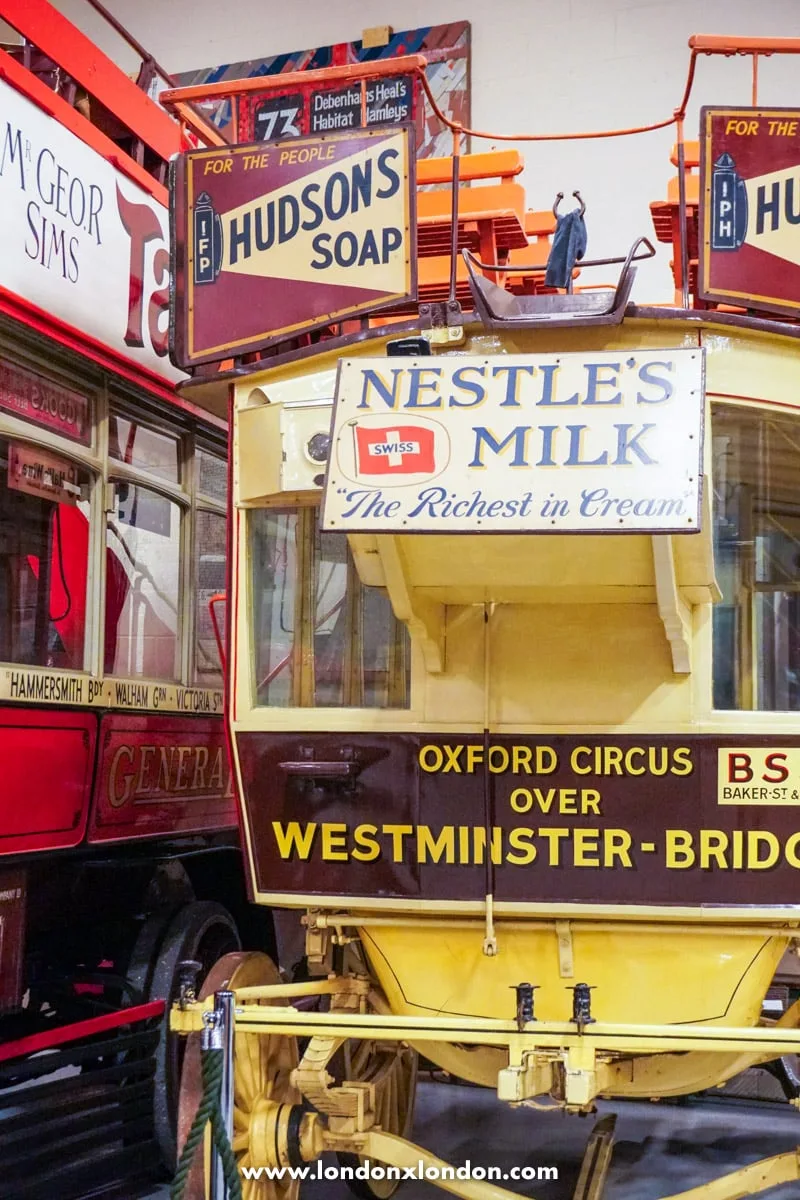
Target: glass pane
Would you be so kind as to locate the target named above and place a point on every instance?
(209, 572)
(138, 446)
(757, 552)
(142, 637)
(385, 653)
(333, 633)
(44, 557)
(212, 476)
(273, 552)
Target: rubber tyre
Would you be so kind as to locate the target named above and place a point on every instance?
(205, 931)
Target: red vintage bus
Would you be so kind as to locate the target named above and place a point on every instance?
(118, 845)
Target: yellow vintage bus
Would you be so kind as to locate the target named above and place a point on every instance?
(513, 670)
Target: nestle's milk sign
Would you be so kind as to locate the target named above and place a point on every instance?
(79, 240)
(607, 442)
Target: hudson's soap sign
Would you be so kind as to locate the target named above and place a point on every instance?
(276, 238)
(554, 443)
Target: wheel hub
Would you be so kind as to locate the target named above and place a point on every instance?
(283, 1135)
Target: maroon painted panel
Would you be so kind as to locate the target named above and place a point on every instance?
(750, 207)
(47, 759)
(161, 775)
(620, 820)
(274, 239)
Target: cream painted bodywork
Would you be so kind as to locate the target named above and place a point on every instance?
(623, 635)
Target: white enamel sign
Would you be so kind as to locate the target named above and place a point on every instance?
(80, 240)
(595, 442)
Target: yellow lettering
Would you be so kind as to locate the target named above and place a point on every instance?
(117, 798)
(617, 845)
(334, 842)
(182, 783)
(474, 756)
(434, 848)
(521, 840)
(590, 801)
(521, 758)
(679, 852)
(199, 777)
(713, 844)
(585, 842)
(431, 758)
(756, 839)
(521, 800)
(682, 757)
(397, 833)
(366, 848)
(293, 839)
(580, 751)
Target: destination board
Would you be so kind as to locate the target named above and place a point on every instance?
(750, 207)
(274, 240)
(619, 819)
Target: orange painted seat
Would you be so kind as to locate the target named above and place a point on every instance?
(490, 216)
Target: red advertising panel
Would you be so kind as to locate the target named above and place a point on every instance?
(161, 775)
(274, 239)
(48, 759)
(750, 207)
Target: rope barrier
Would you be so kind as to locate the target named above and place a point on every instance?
(208, 1110)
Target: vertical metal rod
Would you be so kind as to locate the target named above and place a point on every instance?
(684, 240)
(364, 103)
(755, 80)
(223, 1009)
(454, 216)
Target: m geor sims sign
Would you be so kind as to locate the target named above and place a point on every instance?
(596, 442)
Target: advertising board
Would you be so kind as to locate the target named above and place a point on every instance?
(573, 442)
(275, 239)
(749, 213)
(80, 240)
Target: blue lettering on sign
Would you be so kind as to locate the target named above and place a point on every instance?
(436, 503)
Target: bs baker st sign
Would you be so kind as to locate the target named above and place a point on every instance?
(279, 238)
(750, 207)
(554, 443)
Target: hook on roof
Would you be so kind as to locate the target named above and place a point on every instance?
(560, 197)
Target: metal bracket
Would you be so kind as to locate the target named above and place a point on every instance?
(566, 960)
(442, 324)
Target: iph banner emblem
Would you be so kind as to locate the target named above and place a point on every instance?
(398, 450)
(750, 207)
(279, 238)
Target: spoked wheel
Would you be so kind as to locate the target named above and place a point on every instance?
(262, 1066)
(392, 1068)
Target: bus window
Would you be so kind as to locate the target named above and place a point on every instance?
(209, 578)
(212, 476)
(757, 555)
(44, 558)
(143, 448)
(321, 637)
(143, 540)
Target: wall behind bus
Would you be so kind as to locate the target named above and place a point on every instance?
(538, 66)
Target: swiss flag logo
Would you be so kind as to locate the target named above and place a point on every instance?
(395, 450)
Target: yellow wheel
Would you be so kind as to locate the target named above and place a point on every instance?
(392, 1068)
(262, 1066)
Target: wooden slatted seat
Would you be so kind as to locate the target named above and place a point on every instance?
(490, 216)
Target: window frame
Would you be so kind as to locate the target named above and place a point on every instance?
(109, 394)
